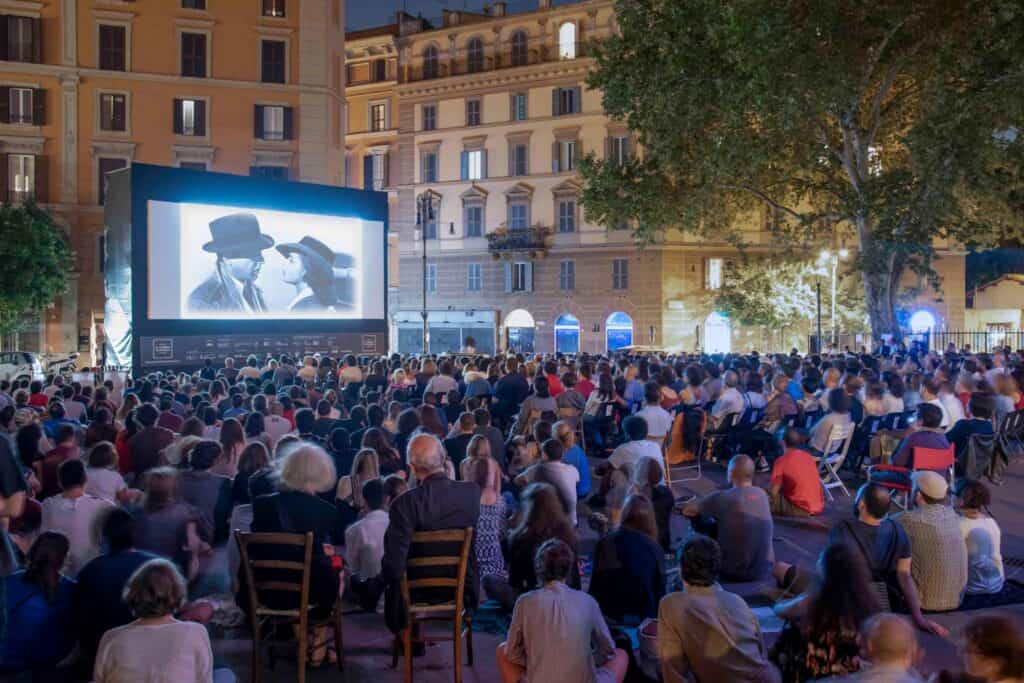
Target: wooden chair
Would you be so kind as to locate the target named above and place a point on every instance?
(451, 610)
(263, 616)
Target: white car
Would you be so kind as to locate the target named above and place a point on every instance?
(20, 365)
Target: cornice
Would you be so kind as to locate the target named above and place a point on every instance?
(498, 78)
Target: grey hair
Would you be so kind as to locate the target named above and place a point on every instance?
(307, 468)
(732, 379)
(426, 453)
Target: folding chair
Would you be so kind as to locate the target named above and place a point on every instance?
(832, 459)
(264, 576)
(453, 571)
(676, 453)
(933, 459)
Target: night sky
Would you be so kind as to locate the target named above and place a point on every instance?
(361, 14)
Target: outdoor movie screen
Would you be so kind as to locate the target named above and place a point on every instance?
(208, 262)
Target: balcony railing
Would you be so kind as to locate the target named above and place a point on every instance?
(505, 241)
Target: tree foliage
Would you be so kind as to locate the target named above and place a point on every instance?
(37, 262)
(892, 123)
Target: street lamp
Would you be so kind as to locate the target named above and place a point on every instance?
(424, 215)
(833, 258)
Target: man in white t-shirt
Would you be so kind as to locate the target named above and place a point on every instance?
(552, 470)
(659, 422)
(731, 401)
(628, 454)
(954, 408)
(275, 424)
(930, 394)
(75, 514)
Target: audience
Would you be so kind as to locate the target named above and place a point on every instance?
(981, 534)
(76, 515)
(890, 648)
(364, 544)
(796, 485)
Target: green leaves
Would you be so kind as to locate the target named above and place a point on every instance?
(37, 262)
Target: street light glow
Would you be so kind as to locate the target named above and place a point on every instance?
(843, 253)
(826, 255)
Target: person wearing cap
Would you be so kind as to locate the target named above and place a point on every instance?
(309, 267)
(239, 245)
(938, 550)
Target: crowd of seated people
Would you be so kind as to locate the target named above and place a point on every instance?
(119, 493)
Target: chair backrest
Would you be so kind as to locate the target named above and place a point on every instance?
(904, 419)
(936, 459)
(811, 417)
(451, 567)
(275, 575)
(871, 423)
(838, 435)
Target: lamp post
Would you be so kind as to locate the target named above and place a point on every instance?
(833, 258)
(424, 211)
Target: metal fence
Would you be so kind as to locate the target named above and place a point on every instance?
(979, 341)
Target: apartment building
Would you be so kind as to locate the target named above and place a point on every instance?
(252, 87)
(493, 114)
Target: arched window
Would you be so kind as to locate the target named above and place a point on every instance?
(430, 62)
(618, 331)
(520, 49)
(717, 334)
(567, 40)
(567, 334)
(475, 55)
(519, 331)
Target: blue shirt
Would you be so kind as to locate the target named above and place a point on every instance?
(38, 632)
(634, 394)
(794, 390)
(578, 459)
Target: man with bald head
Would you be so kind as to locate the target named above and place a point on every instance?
(436, 503)
(890, 645)
(740, 518)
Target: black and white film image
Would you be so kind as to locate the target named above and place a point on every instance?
(244, 263)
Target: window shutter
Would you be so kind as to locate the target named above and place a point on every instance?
(511, 159)
(200, 118)
(483, 164)
(38, 107)
(554, 157)
(179, 128)
(258, 122)
(554, 103)
(706, 273)
(4, 38)
(464, 160)
(528, 279)
(387, 169)
(608, 149)
(37, 41)
(40, 187)
(368, 172)
(4, 164)
(577, 102)
(508, 266)
(288, 127)
(5, 104)
(627, 144)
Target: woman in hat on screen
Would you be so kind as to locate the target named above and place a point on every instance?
(309, 268)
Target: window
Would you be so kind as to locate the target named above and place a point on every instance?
(113, 40)
(273, 8)
(272, 61)
(269, 172)
(518, 215)
(618, 149)
(193, 55)
(474, 164)
(431, 277)
(519, 159)
(565, 156)
(428, 171)
(475, 56)
(113, 113)
(380, 70)
(472, 112)
(380, 171)
(193, 165)
(23, 39)
(518, 106)
(713, 269)
(21, 177)
(190, 117)
(378, 117)
(429, 117)
(193, 4)
(20, 100)
(474, 280)
(567, 276)
(474, 220)
(566, 215)
(430, 66)
(521, 277)
(106, 166)
(429, 222)
(565, 101)
(273, 122)
(620, 273)
(567, 40)
(520, 49)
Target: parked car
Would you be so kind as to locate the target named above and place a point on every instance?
(20, 365)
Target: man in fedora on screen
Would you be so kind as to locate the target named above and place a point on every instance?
(238, 244)
(309, 267)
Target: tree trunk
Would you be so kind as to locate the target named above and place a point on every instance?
(880, 285)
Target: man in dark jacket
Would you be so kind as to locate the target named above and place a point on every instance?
(437, 503)
(980, 408)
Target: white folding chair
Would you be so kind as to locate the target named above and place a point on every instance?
(832, 459)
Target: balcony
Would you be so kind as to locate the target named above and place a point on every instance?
(505, 242)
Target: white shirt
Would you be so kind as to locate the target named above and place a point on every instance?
(249, 372)
(364, 543)
(731, 401)
(276, 426)
(76, 518)
(630, 453)
(104, 483)
(566, 477)
(51, 390)
(178, 652)
(892, 404)
(945, 413)
(72, 409)
(659, 422)
(985, 573)
(954, 408)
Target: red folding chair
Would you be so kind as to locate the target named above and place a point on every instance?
(934, 459)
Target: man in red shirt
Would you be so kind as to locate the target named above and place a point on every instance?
(554, 384)
(796, 486)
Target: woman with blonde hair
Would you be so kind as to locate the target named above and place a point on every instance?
(479, 449)
(131, 402)
(348, 494)
(492, 526)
